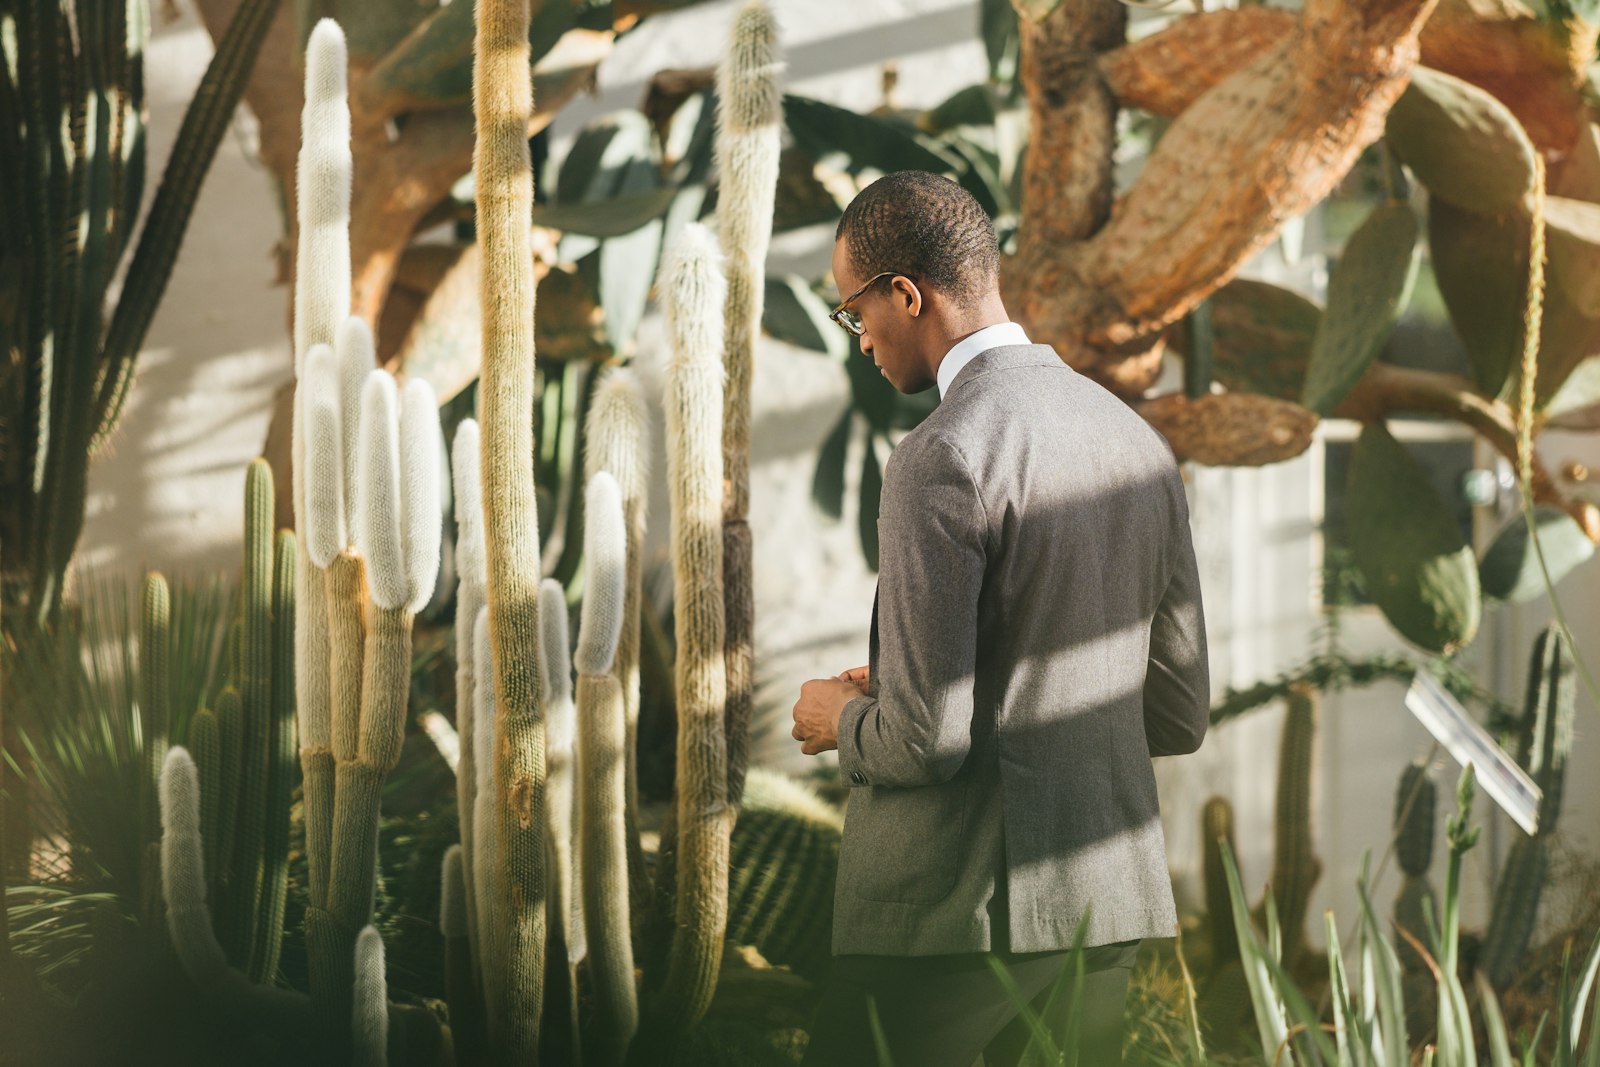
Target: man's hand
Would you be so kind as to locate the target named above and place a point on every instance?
(858, 677)
(816, 713)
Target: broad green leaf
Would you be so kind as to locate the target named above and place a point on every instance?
(627, 271)
(1370, 287)
(973, 106)
(606, 218)
(1567, 338)
(1481, 265)
(1576, 405)
(871, 498)
(1403, 537)
(1572, 230)
(997, 23)
(829, 133)
(1510, 569)
(1261, 338)
(827, 484)
(792, 312)
(1461, 143)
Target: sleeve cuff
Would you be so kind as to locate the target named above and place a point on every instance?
(852, 767)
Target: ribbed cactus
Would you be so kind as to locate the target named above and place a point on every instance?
(471, 597)
(602, 735)
(1546, 743)
(747, 145)
(1295, 866)
(485, 853)
(369, 1017)
(694, 293)
(321, 303)
(71, 188)
(460, 981)
(784, 855)
(155, 627)
(560, 717)
(615, 442)
(502, 109)
(1415, 803)
(1216, 830)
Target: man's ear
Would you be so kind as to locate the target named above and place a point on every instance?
(910, 294)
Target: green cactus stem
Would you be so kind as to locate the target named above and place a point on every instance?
(502, 109)
(155, 628)
(460, 982)
(255, 698)
(1295, 866)
(747, 145)
(1546, 743)
(1216, 830)
(1416, 801)
(281, 768)
(694, 298)
(615, 442)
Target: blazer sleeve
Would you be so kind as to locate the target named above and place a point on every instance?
(1177, 685)
(915, 729)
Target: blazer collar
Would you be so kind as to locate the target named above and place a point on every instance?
(1006, 357)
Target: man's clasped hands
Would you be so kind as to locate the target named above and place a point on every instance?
(822, 701)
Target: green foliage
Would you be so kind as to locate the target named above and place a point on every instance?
(77, 69)
(1369, 290)
(1461, 142)
(1414, 561)
(1509, 569)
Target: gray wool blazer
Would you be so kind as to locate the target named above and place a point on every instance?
(1037, 637)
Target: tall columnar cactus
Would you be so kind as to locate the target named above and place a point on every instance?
(694, 295)
(1415, 803)
(1216, 831)
(1295, 866)
(155, 628)
(460, 981)
(321, 302)
(602, 772)
(485, 854)
(748, 141)
(615, 442)
(471, 597)
(1545, 746)
(502, 109)
(560, 716)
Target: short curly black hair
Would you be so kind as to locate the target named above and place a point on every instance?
(926, 227)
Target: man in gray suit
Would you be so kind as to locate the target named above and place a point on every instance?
(1037, 638)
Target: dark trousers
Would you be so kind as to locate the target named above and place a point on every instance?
(943, 1011)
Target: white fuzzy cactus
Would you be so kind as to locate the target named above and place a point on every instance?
(357, 355)
(322, 193)
(453, 895)
(605, 555)
(555, 666)
(470, 598)
(183, 874)
(369, 1022)
(560, 717)
(471, 566)
(485, 853)
(378, 492)
(421, 507)
(324, 474)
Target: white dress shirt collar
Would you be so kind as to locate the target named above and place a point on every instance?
(1001, 333)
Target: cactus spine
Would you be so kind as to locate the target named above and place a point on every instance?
(694, 295)
(748, 141)
(1545, 745)
(502, 109)
(615, 442)
(321, 302)
(602, 770)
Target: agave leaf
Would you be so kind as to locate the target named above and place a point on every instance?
(1461, 142)
(1369, 290)
(1510, 568)
(1481, 265)
(1416, 565)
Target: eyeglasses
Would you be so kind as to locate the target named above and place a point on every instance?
(848, 319)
